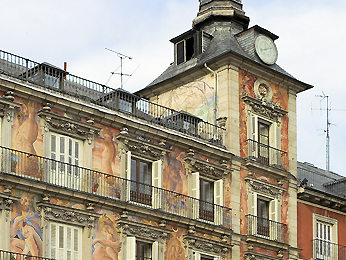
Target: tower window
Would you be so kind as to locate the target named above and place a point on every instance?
(185, 50)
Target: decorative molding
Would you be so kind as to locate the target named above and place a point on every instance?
(50, 212)
(266, 188)
(6, 204)
(220, 248)
(8, 106)
(206, 168)
(264, 107)
(142, 231)
(68, 126)
(141, 147)
(258, 256)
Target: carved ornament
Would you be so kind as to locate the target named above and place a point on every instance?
(141, 147)
(264, 107)
(266, 188)
(258, 256)
(220, 248)
(8, 106)
(142, 231)
(68, 126)
(50, 212)
(206, 168)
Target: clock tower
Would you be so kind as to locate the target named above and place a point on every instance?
(226, 73)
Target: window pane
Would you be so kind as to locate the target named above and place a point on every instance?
(61, 237)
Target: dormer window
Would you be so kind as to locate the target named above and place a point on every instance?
(185, 50)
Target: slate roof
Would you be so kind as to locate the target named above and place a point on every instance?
(322, 180)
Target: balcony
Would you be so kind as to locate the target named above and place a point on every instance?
(54, 79)
(100, 184)
(6, 255)
(325, 250)
(266, 154)
(267, 229)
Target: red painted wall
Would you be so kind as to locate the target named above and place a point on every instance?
(305, 227)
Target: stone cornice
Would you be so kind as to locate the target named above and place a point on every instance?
(67, 126)
(206, 168)
(140, 147)
(249, 255)
(264, 107)
(142, 231)
(263, 187)
(51, 212)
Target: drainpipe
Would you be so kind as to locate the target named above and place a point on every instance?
(215, 95)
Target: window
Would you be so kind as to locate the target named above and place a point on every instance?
(139, 250)
(66, 153)
(263, 141)
(64, 242)
(185, 50)
(325, 238)
(144, 180)
(208, 201)
(201, 256)
(264, 216)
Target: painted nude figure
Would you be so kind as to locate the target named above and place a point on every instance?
(107, 247)
(26, 232)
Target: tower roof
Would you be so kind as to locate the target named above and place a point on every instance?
(220, 10)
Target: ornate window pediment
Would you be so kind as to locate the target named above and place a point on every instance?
(205, 168)
(265, 188)
(66, 126)
(141, 148)
(8, 106)
(51, 212)
(195, 243)
(142, 231)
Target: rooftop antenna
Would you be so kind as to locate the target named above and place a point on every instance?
(121, 56)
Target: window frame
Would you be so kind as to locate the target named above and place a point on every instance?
(197, 255)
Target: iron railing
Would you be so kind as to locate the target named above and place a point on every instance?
(325, 250)
(266, 154)
(94, 182)
(58, 80)
(6, 255)
(265, 228)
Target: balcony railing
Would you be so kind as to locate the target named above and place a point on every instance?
(265, 228)
(266, 154)
(57, 80)
(324, 250)
(94, 182)
(6, 255)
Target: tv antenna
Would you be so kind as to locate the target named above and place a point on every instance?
(328, 109)
(122, 57)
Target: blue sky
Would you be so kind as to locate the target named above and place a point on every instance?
(311, 48)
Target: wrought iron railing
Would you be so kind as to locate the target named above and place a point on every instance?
(94, 182)
(266, 154)
(325, 250)
(58, 80)
(265, 228)
(6, 255)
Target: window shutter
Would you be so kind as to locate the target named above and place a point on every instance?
(253, 146)
(76, 240)
(53, 243)
(128, 174)
(155, 251)
(252, 220)
(195, 193)
(157, 183)
(218, 201)
(53, 155)
(61, 242)
(274, 227)
(130, 248)
(69, 243)
(196, 256)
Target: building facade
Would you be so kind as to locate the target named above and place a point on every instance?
(200, 164)
(321, 213)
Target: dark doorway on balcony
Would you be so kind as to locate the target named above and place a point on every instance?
(206, 209)
(141, 178)
(263, 217)
(263, 138)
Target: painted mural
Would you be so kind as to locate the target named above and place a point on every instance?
(26, 232)
(196, 98)
(175, 247)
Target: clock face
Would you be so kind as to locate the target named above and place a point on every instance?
(266, 49)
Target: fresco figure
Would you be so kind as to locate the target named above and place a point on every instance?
(107, 245)
(174, 172)
(175, 248)
(26, 233)
(109, 152)
(25, 137)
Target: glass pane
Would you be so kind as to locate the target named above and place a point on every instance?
(53, 143)
(70, 147)
(263, 209)
(76, 150)
(62, 145)
(61, 237)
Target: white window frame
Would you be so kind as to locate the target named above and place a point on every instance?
(131, 245)
(156, 175)
(70, 176)
(49, 241)
(274, 214)
(194, 192)
(274, 137)
(334, 237)
(197, 255)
